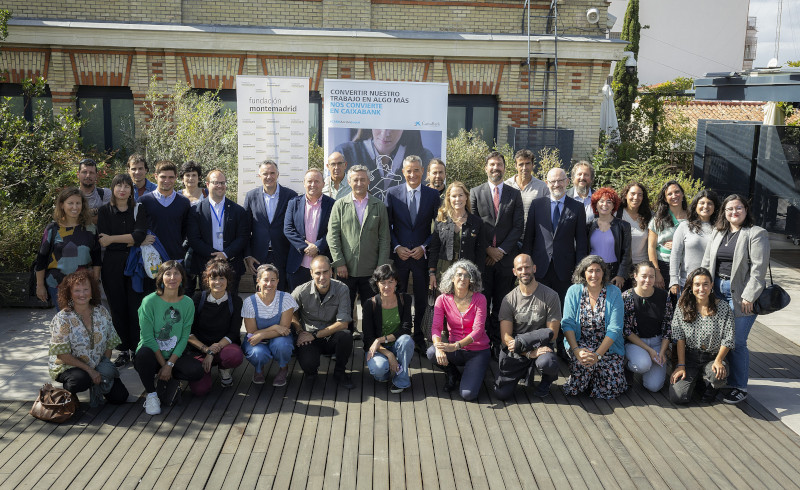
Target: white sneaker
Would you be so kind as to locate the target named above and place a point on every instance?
(226, 378)
(152, 405)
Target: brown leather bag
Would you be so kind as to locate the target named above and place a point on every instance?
(54, 404)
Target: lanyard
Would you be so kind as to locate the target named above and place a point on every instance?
(221, 215)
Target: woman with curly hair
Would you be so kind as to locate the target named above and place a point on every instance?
(610, 237)
(670, 211)
(704, 331)
(593, 332)
(69, 243)
(456, 234)
(82, 337)
(635, 210)
(463, 308)
(691, 238)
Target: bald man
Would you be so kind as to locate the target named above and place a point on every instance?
(336, 184)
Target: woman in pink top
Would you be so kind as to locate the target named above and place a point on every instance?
(463, 307)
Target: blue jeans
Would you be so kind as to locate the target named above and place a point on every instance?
(739, 357)
(475, 363)
(278, 348)
(403, 350)
(639, 361)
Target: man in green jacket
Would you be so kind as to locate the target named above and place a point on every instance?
(358, 237)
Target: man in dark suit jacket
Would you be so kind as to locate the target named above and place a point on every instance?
(411, 209)
(218, 227)
(556, 252)
(306, 227)
(500, 208)
(266, 206)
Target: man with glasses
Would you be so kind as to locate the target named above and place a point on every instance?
(218, 227)
(555, 237)
(336, 185)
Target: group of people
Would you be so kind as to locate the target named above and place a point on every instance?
(588, 275)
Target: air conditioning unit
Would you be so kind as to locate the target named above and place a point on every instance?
(593, 16)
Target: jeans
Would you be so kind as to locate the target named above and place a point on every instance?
(278, 348)
(698, 368)
(475, 363)
(230, 357)
(639, 361)
(402, 349)
(739, 357)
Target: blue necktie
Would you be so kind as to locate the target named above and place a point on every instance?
(556, 216)
(412, 207)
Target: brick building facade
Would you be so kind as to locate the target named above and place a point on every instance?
(477, 47)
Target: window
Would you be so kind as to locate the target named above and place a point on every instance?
(472, 112)
(226, 96)
(23, 105)
(108, 116)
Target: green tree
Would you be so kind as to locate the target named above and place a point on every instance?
(466, 158)
(625, 84)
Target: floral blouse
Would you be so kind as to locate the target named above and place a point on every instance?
(631, 323)
(68, 335)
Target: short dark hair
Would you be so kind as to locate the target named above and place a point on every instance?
(635, 269)
(496, 154)
(191, 166)
(87, 162)
(723, 224)
(382, 273)
(77, 277)
(218, 267)
(163, 268)
(523, 153)
(126, 180)
(579, 276)
(166, 166)
(138, 158)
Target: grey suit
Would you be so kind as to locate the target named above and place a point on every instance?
(750, 261)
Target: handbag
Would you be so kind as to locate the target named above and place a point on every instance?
(54, 404)
(773, 298)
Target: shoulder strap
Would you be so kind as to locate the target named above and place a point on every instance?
(230, 304)
(100, 192)
(203, 297)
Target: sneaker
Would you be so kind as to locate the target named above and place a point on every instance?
(280, 378)
(356, 335)
(344, 381)
(122, 359)
(396, 389)
(735, 396)
(258, 378)
(225, 377)
(152, 406)
(542, 391)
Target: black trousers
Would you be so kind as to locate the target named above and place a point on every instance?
(340, 343)
(123, 301)
(301, 276)
(513, 369)
(146, 364)
(418, 269)
(560, 286)
(76, 380)
(358, 286)
(498, 281)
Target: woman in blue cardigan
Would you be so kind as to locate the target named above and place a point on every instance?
(593, 332)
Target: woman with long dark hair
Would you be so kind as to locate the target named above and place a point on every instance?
(738, 256)
(691, 238)
(635, 210)
(121, 224)
(670, 211)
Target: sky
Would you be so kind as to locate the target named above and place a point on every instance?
(766, 12)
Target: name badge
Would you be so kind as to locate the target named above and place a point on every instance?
(219, 234)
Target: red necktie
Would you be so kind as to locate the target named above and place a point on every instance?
(496, 200)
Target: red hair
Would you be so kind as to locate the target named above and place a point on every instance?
(77, 277)
(605, 193)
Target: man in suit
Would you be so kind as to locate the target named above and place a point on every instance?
(266, 206)
(581, 190)
(555, 237)
(500, 208)
(358, 235)
(411, 209)
(306, 227)
(218, 227)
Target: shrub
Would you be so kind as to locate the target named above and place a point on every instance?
(466, 158)
(653, 173)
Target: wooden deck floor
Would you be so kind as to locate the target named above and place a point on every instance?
(302, 436)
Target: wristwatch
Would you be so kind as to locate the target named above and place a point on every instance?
(314, 333)
(170, 364)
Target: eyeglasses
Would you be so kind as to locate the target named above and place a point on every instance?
(462, 275)
(217, 182)
(738, 209)
(556, 182)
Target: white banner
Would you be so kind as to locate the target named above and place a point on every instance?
(272, 117)
(378, 124)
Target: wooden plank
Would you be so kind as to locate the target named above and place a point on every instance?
(290, 457)
(323, 443)
(435, 423)
(367, 433)
(349, 461)
(429, 474)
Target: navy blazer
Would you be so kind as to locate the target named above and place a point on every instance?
(508, 226)
(235, 235)
(570, 240)
(294, 227)
(266, 234)
(403, 233)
